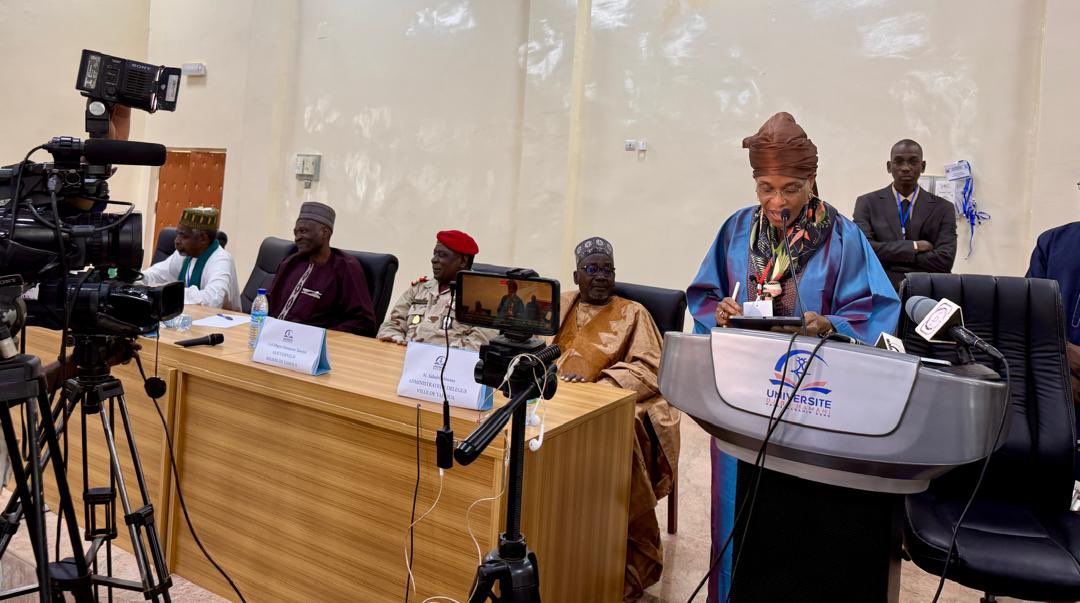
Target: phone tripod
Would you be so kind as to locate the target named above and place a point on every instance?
(96, 392)
(512, 566)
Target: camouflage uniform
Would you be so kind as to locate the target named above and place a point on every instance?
(418, 316)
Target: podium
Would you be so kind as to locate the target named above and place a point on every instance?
(866, 427)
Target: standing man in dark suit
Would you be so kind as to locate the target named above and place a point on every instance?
(910, 229)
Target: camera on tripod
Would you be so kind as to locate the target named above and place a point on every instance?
(53, 219)
(53, 224)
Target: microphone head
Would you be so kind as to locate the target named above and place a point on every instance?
(918, 306)
(216, 338)
(785, 215)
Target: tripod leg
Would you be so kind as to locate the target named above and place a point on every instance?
(161, 569)
(81, 588)
(35, 520)
(139, 519)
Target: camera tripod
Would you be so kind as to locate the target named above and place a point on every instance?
(96, 392)
(511, 565)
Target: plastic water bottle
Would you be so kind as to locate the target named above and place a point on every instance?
(180, 323)
(259, 308)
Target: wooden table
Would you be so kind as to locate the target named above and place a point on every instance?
(301, 487)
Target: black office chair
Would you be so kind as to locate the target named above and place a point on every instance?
(380, 270)
(166, 239)
(164, 247)
(490, 268)
(272, 251)
(668, 310)
(1019, 539)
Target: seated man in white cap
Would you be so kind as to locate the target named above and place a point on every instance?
(200, 262)
(320, 285)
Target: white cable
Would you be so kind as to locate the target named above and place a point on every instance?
(408, 564)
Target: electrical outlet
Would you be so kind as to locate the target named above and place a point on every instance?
(630, 145)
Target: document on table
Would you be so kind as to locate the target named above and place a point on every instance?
(222, 321)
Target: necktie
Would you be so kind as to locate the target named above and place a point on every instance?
(905, 210)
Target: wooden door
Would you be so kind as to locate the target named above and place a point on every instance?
(188, 179)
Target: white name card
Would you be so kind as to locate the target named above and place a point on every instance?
(420, 376)
(297, 347)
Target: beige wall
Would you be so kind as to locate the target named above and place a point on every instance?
(507, 118)
(41, 42)
(1056, 163)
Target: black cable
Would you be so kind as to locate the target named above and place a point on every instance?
(978, 482)
(760, 467)
(742, 506)
(415, 495)
(794, 275)
(183, 504)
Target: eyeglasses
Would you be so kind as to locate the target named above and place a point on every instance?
(791, 192)
(593, 270)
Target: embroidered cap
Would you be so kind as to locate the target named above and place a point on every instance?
(593, 246)
(200, 218)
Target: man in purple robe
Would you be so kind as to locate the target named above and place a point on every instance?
(320, 285)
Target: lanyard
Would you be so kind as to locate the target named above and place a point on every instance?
(905, 218)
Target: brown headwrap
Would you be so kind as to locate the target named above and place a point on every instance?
(781, 148)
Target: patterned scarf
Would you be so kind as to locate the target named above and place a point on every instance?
(769, 261)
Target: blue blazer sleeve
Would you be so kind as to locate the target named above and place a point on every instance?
(864, 303)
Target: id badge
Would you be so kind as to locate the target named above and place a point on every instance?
(762, 308)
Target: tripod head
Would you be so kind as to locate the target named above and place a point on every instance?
(524, 369)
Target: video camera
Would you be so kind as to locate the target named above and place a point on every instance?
(53, 219)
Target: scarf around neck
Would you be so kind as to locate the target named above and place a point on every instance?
(769, 261)
(200, 263)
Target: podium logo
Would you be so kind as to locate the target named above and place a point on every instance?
(812, 397)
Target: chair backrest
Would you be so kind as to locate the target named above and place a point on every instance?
(1024, 320)
(271, 252)
(667, 306)
(164, 246)
(380, 270)
(492, 268)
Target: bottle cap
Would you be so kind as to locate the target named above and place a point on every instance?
(261, 291)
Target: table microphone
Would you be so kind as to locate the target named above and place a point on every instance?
(211, 339)
(918, 308)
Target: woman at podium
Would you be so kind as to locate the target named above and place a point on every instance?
(756, 258)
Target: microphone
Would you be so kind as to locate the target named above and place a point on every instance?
(102, 151)
(444, 437)
(935, 318)
(785, 215)
(211, 339)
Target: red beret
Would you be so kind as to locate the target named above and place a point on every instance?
(457, 241)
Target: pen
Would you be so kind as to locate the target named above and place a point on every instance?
(226, 317)
(735, 291)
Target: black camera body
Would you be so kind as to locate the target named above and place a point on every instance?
(53, 220)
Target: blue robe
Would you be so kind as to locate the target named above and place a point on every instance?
(843, 281)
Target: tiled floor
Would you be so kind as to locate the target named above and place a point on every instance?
(686, 552)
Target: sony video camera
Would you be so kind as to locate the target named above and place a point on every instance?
(53, 220)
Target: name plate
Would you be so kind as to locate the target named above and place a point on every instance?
(847, 388)
(297, 347)
(420, 376)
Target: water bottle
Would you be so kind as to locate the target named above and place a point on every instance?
(259, 308)
(180, 323)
